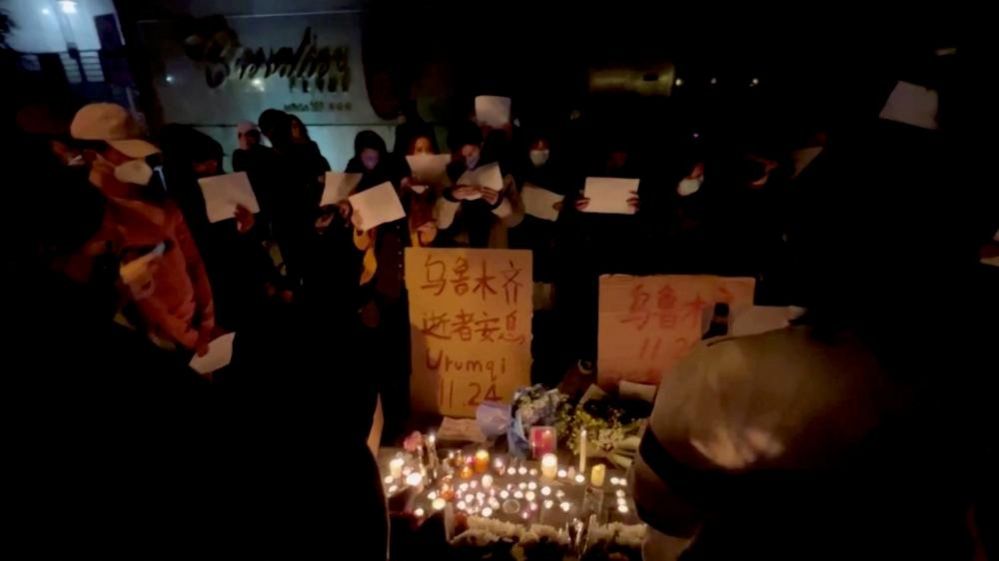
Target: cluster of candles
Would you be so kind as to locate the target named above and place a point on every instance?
(472, 488)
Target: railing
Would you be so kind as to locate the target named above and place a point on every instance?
(78, 66)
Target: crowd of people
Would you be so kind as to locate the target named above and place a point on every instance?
(129, 276)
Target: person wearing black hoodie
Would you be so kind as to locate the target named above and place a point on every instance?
(475, 215)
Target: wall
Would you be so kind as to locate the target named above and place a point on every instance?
(202, 77)
(38, 30)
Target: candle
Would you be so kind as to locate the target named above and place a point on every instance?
(395, 467)
(499, 466)
(466, 472)
(597, 475)
(481, 461)
(543, 441)
(414, 479)
(439, 503)
(582, 451)
(432, 450)
(487, 481)
(549, 465)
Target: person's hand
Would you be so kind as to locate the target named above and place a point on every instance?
(491, 196)
(428, 231)
(324, 221)
(405, 183)
(465, 192)
(244, 219)
(201, 349)
(343, 207)
(557, 206)
(138, 277)
(633, 201)
(582, 203)
(357, 221)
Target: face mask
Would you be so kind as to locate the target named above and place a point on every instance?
(688, 186)
(136, 172)
(472, 161)
(539, 157)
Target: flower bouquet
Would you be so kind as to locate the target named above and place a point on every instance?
(615, 541)
(544, 543)
(486, 538)
(535, 406)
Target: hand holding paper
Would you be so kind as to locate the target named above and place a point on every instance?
(219, 355)
(610, 195)
(541, 203)
(224, 192)
(376, 206)
(339, 186)
(488, 176)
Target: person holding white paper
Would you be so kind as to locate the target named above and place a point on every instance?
(382, 305)
(243, 276)
(544, 185)
(483, 201)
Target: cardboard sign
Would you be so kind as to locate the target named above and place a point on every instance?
(470, 326)
(648, 324)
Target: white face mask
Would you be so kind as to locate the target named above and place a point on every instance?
(688, 186)
(539, 157)
(136, 172)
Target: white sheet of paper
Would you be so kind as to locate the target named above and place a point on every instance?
(429, 168)
(339, 186)
(540, 202)
(991, 261)
(760, 319)
(377, 205)
(488, 175)
(609, 195)
(492, 110)
(223, 192)
(912, 104)
(461, 430)
(219, 355)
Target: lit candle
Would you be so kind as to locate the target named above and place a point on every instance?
(597, 475)
(481, 461)
(439, 503)
(580, 478)
(582, 451)
(549, 465)
(395, 467)
(432, 450)
(499, 466)
(466, 472)
(487, 512)
(414, 479)
(487, 481)
(419, 513)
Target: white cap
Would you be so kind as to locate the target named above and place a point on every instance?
(113, 124)
(912, 104)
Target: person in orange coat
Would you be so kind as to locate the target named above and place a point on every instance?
(180, 313)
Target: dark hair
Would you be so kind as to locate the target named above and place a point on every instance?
(272, 122)
(463, 134)
(369, 139)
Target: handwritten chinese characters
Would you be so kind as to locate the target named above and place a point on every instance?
(470, 323)
(648, 324)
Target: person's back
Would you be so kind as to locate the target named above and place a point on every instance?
(789, 445)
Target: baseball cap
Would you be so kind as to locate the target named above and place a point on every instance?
(113, 124)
